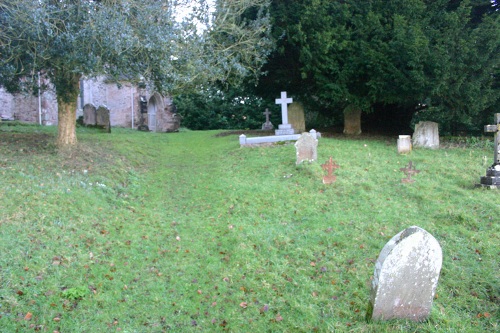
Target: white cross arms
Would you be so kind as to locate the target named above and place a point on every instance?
(284, 101)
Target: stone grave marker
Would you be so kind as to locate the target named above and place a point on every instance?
(404, 144)
(426, 135)
(406, 276)
(492, 178)
(409, 171)
(268, 125)
(307, 148)
(103, 118)
(296, 117)
(285, 128)
(352, 121)
(329, 167)
(89, 114)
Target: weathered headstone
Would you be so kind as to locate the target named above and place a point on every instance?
(406, 276)
(426, 135)
(103, 118)
(307, 148)
(284, 128)
(492, 178)
(296, 117)
(409, 171)
(89, 115)
(268, 125)
(329, 167)
(404, 144)
(352, 120)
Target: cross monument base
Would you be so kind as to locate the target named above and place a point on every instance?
(284, 129)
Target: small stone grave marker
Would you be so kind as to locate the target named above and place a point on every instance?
(426, 135)
(103, 118)
(268, 125)
(404, 144)
(409, 171)
(307, 148)
(492, 178)
(329, 167)
(406, 276)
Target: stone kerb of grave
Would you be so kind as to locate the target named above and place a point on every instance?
(245, 141)
(307, 148)
(406, 276)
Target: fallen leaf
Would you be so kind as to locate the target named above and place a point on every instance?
(265, 308)
(279, 317)
(486, 315)
(28, 316)
(244, 305)
(313, 263)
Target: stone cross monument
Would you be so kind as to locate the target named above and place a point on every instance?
(285, 128)
(492, 179)
(268, 125)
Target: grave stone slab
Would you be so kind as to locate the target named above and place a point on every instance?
(426, 135)
(89, 115)
(404, 144)
(406, 276)
(103, 118)
(352, 121)
(409, 171)
(296, 117)
(307, 148)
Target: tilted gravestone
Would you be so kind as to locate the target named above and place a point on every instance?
(103, 118)
(89, 114)
(426, 135)
(406, 276)
(296, 117)
(307, 148)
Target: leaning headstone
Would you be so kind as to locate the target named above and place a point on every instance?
(406, 276)
(426, 135)
(404, 144)
(492, 178)
(307, 148)
(296, 117)
(352, 120)
(268, 125)
(89, 115)
(103, 118)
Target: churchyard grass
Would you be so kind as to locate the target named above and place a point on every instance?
(188, 232)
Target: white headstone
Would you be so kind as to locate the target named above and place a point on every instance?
(426, 135)
(284, 128)
(307, 148)
(406, 276)
(404, 144)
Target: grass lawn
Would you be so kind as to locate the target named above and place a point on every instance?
(188, 232)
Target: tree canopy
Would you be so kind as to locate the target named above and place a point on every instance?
(132, 40)
(352, 53)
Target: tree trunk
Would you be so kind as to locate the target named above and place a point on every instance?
(67, 87)
(352, 120)
(66, 135)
